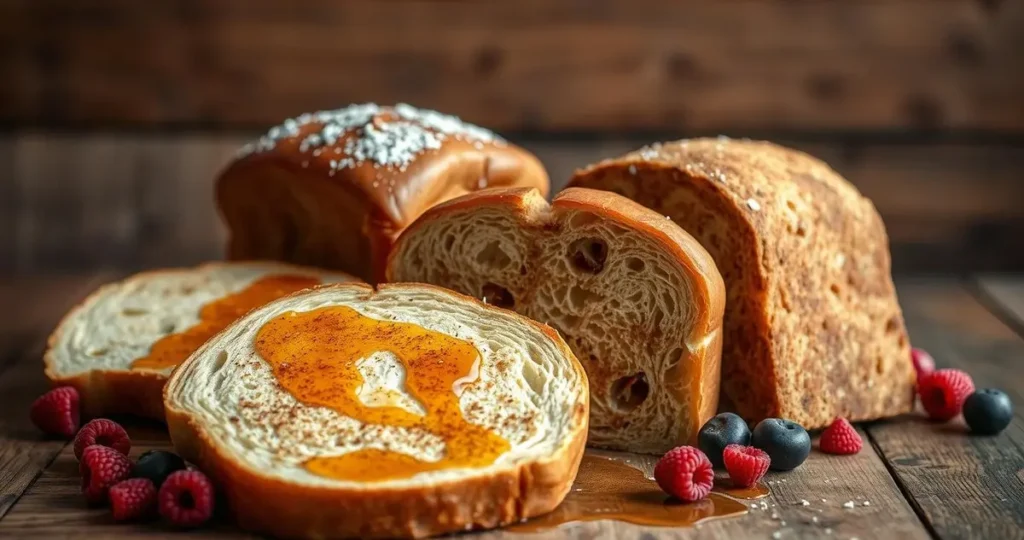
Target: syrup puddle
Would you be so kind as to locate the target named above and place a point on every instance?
(614, 487)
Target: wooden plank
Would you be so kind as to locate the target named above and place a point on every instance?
(24, 452)
(966, 486)
(530, 64)
(53, 505)
(1005, 295)
(130, 202)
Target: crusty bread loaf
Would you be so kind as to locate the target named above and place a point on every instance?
(333, 189)
(812, 326)
(637, 299)
(407, 411)
(120, 344)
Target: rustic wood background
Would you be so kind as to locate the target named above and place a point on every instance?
(116, 113)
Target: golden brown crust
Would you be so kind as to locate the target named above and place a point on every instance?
(319, 206)
(813, 328)
(708, 288)
(264, 504)
(116, 392)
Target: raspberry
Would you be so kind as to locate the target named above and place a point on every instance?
(134, 498)
(186, 499)
(56, 412)
(104, 433)
(943, 393)
(102, 467)
(923, 362)
(840, 438)
(745, 464)
(685, 473)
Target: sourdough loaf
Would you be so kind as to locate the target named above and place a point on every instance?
(119, 345)
(407, 411)
(813, 329)
(637, 299)
(334, 188)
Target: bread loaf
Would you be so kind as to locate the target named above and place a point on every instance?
(636, 298)
(813, 329)
(333, 189)
(408, 411)
(120, 344)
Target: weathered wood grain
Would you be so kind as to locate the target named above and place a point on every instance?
(53, 506)
(1004, 295)
(134, 201)
(31, 309)
(530, 64)
(966, 486)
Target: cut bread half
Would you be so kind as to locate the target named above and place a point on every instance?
(638, 300)
(813, 329)
(407, 411)
(120, 344)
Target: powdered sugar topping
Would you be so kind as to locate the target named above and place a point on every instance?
(393, 143)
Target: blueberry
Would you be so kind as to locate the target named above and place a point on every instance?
(157, 465)
(719, 432)
(785, 441)
(988, 411)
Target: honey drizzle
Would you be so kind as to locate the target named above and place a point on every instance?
(173, 349)
(313, 356)
(609, 489)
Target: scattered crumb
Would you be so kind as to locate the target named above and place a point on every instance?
(828, 530)
(814, 519)
(777, 534)
(753, 205)
(848, 504)
(632, 169)
(867, 503)
(803, 502)
(775, 515)
(783, 523)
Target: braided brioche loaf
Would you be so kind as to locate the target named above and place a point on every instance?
(813, 329)
(334, 188)
(636, 298)
(413, 411)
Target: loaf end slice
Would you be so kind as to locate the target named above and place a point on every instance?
(638, 300)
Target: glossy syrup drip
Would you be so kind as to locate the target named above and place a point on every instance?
(313, 355)
(173, 349)
(609, 489)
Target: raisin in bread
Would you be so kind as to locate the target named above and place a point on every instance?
(119, 345)
(639, 301)
(334, 188)
(407, 411)
(813, 329)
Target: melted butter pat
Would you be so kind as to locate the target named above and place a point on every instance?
(173, 349)
(314, 357)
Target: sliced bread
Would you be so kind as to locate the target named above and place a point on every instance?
(119, 345)
(638, 300)
(407, 411)
(334, 188)
(813, 329)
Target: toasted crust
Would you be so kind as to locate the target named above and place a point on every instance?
(294, 203)
(264, 504)
(115, 392)
(813, 329)
(702, 347)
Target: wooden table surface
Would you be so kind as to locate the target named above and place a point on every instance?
(914, 479)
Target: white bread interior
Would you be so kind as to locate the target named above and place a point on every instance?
(94, 346)
(226, 412)
(637, 299)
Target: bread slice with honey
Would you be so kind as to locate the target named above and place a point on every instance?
(334, 188)
(119, 345)
(406, 411)
(639, 301)
(813, 329)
